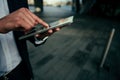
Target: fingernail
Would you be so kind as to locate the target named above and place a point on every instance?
(47, 25)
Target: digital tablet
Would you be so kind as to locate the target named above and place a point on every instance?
(59, 23)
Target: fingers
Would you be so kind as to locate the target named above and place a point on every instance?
(28, 20)
(48, 33)
(37, 19)
(31, 20)
(40, 21)
(54, 30)
(57, 29)
(21, 19)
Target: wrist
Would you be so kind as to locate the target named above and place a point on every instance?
(2, 27)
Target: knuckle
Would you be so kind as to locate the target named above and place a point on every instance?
(18, 23)
(22, 9)
(17, 19)
(32, 25)
(20, 13)
(27, 28)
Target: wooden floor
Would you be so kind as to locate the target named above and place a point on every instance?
(75, 52)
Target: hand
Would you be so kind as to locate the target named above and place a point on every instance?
(22, 20)
(48, 33)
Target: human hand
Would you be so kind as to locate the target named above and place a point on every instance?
(22, 20)
(48, 33)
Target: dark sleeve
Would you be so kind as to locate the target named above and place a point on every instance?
(16, 4)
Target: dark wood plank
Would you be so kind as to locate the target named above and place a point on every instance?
(75, 52)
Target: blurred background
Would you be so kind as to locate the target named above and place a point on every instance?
(88, 49)
(107, 7)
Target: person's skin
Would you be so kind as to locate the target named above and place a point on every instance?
(22, 20)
